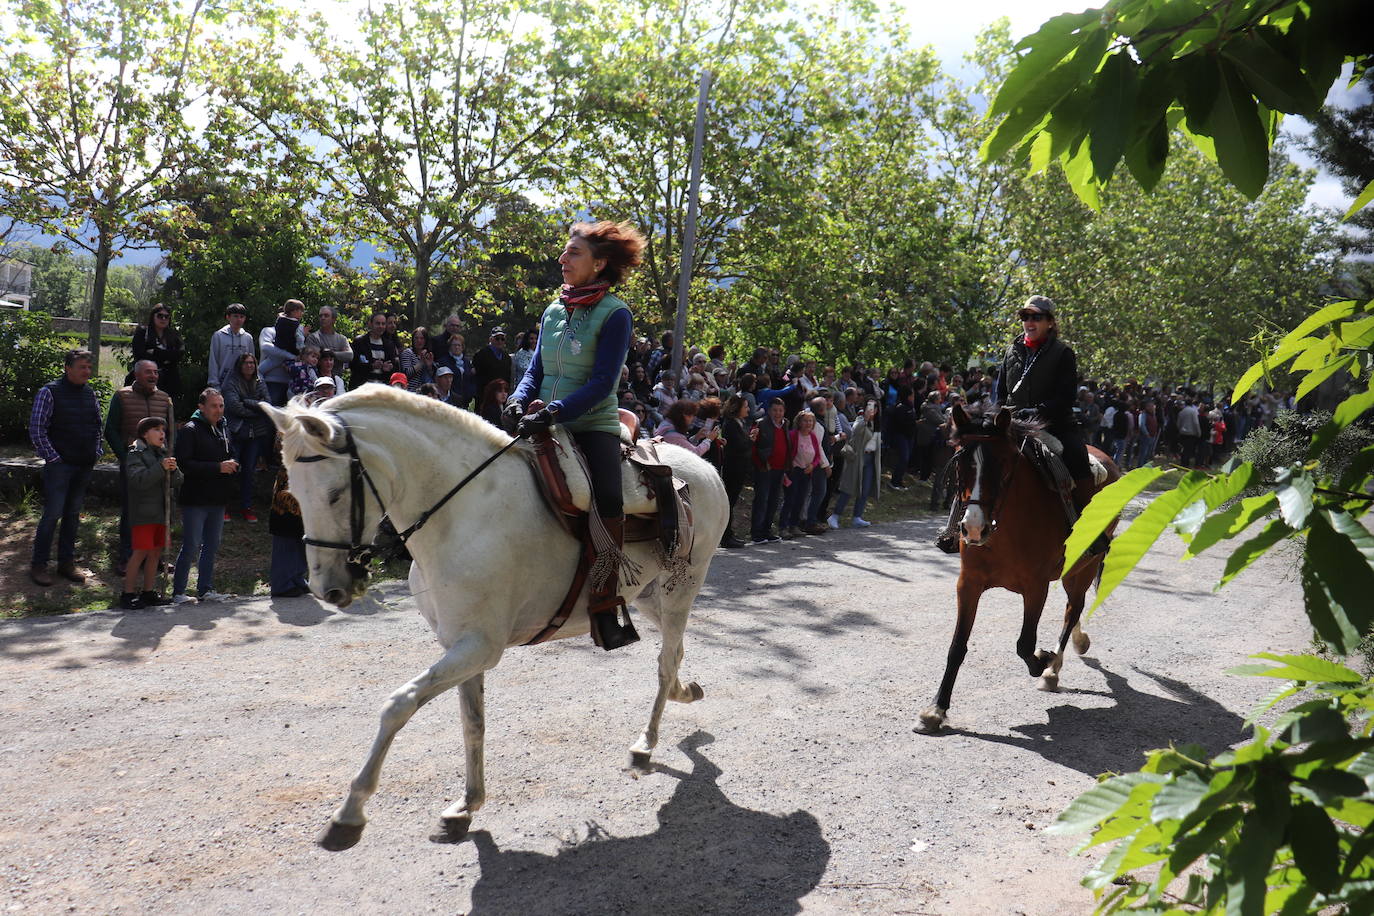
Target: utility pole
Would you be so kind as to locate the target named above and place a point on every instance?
(689, 238)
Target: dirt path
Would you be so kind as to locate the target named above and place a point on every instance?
(182, 761)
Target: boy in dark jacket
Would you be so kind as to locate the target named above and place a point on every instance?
(147, 466)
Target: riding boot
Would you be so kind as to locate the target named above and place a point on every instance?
(1083, 490)
(605, 607)
(948, 540)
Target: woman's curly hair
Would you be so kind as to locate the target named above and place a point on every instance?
(621, 245)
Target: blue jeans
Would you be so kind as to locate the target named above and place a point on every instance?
(64, 490)
(1144, 450)
(867, 480)
(201, 527)
(288, 564)
(248, 449)
(796, 497)
(767, 493)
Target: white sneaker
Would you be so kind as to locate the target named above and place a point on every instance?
(833, 521)
(214, 596)
(182, 598)
(860, 523)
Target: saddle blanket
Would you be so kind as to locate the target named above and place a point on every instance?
(639, 499)
(1052, 442)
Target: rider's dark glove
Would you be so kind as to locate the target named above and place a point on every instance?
(513, 411)
(538, 422)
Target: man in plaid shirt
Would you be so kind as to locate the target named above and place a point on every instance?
(65, 427)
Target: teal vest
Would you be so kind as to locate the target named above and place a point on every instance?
(565, 371)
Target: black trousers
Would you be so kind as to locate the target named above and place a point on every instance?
(1075, 452)
(602, 451)
(734, 476)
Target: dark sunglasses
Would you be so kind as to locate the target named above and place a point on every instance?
(162, 314)
(1033, 316)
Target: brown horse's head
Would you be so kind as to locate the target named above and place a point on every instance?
(983, 464)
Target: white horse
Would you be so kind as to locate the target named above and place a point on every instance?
(490, 567)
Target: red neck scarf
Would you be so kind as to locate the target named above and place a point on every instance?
(589, 295)
(1035, 344)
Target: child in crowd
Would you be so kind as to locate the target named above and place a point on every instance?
(304, 372)
(148, 466)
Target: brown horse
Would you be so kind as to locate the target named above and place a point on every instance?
(1011, 536)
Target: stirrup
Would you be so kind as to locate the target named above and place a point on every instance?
(947, 542)
(608, 631)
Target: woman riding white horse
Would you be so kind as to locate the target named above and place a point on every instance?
(377, 451)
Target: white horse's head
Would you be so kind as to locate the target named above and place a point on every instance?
(339, 512)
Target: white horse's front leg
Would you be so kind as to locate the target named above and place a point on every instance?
(466, 659)
(672, 623)
(457, 818)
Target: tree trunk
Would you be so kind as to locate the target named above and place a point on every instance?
(103, 254)
(422, 256)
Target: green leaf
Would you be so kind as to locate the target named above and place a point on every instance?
(1285, 351)
(1363, 767)
(1317, 376)
(1228, 524)
(1271, 699)
(1104, 800)
(1331, 786)
(1105, 506)
(1328, 619)
(1223, 488)
(1366, 196)
(1295, 489)
(1113, 100)
(1179, 798)
(1234, 123)
(1274, 79)
(1341, 553)
(1049, 45)
(1133, 543)
(1253, 549)
(1318, 725)
(1147, 157)
(1204, 839)
(1078, 170)
(1347, 412)
(1316, 848)
(1307, 668)
(1327, 314)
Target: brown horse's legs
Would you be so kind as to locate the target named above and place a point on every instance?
(1076, 586)
(933, 716)
(1033, 603)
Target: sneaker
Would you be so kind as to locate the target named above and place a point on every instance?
(153, 599)
(214, 596)
(731, 542)
(833, 521)
(898, 487)
(227, 516)
(860, 523)
(182, 598)
(130, 601)
(249, 515)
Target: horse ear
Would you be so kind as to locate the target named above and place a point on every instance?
(1003, 421)
(961, 417)
(280, 418)
(319, 429)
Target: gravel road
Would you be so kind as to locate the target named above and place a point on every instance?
(182, 760)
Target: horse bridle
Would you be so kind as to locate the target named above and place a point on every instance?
(359, 553)
(990, 507)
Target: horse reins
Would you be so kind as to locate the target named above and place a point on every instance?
(358, 552)
(991, 506)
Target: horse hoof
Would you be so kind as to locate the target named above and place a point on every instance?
(640, 760)
(337, 837)
(455, 827)
(695, 690)
(1081, 642)
(931, 720)
(1049, 683)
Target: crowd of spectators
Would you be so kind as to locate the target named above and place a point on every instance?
(813, 440)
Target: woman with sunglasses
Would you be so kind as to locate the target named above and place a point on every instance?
(1040, 372)
(158, 341)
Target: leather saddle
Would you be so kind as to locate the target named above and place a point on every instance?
(657, 504)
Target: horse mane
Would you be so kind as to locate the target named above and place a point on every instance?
(983, 416)
(463, 422)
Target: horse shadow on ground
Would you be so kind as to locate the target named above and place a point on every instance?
(1115, 739)
(707, 856)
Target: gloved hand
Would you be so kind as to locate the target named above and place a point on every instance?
(513, 411)
(538, 422)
